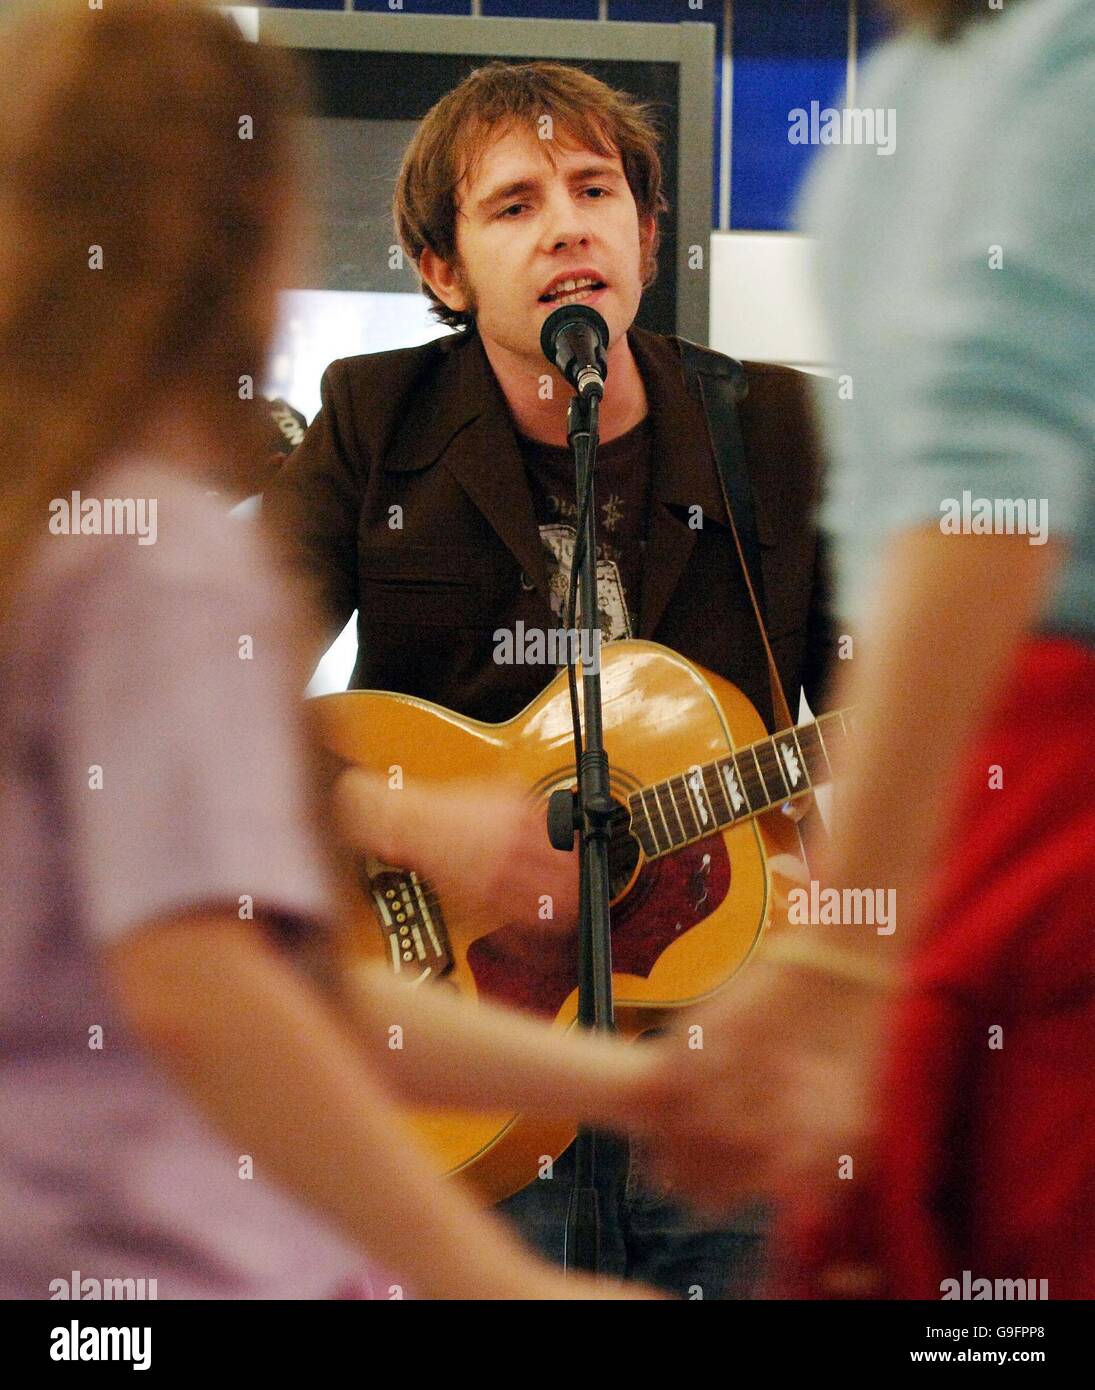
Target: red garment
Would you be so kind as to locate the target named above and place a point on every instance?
(986, 1157)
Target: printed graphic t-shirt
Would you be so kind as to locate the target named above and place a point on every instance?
(622, 497)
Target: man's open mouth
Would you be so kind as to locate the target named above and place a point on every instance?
(572, 291)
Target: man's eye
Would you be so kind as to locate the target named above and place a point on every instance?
(596, 190)
(513, 207)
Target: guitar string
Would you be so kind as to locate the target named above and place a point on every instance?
(678, 786)
(751, 781)
(679, 789)
(758, 800)
(429, 894)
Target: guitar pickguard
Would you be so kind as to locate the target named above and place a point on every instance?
(538, 972)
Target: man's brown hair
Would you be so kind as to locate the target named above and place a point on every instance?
(457, 131)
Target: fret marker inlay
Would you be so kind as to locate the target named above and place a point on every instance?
(695, 783)
(775, 770)
(732, 789)
(794, 772)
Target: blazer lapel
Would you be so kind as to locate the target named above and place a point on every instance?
(466, 426)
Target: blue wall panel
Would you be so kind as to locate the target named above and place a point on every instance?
(666, 11)
(416, 7)
(786, 53)
(540, 9)
(785, 56)
(679, 12)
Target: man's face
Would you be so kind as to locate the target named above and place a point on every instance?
(524, 226)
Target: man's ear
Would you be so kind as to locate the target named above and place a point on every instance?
(443, 280)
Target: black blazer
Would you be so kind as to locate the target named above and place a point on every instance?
(408, 501)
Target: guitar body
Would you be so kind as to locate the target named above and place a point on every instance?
(682, 924)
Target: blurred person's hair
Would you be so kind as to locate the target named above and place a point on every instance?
(502, 97)
(123, 131)
(942, 18)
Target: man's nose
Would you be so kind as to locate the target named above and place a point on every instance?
(566, 222)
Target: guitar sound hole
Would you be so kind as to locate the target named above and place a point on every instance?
(623, 851)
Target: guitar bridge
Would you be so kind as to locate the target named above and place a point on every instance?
(411, 918)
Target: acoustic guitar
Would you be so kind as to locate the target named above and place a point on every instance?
(701, 858)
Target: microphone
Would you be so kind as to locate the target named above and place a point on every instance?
(574, 338)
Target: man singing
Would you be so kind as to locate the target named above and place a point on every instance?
(434, 493)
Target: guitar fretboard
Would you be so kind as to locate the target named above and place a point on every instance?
(714, 796)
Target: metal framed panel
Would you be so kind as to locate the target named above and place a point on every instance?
(685, 52)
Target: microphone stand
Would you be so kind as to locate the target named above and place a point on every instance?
(588, 811)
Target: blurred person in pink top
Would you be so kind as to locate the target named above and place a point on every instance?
(185, 1095)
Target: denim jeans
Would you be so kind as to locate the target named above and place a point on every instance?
(645, 1235)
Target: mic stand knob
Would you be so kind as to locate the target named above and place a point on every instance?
(562, 818)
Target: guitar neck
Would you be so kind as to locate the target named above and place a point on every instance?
(757, 778)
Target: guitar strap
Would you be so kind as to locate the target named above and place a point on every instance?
(720, 384)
